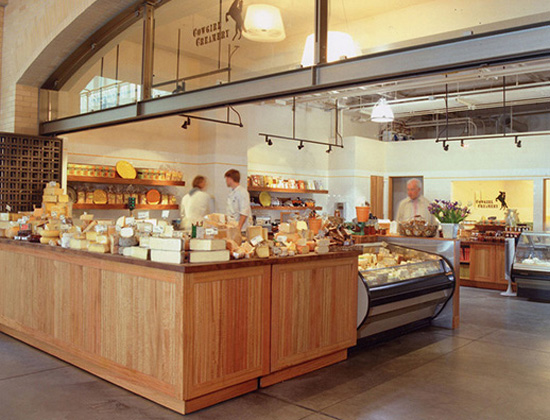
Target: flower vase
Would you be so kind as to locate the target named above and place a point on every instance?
(449, 230)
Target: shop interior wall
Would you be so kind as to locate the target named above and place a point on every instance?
(482, 160)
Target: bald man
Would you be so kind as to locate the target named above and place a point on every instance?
(415, 204)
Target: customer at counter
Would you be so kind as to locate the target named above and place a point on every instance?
(415, 204)
(238, 202)
(195, 204)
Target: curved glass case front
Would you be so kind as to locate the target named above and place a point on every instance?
(388, 264)
(533, 252)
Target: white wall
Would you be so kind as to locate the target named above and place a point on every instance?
(482, 160)
(211, 149)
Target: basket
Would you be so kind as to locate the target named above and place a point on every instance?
(417, 227)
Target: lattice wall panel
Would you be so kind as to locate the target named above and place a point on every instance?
(27, 163)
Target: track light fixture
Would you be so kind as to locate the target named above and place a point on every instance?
(301, 145)
(186, 123)
(268, 141)
(445, 146)
(517, 141)
(329, 149)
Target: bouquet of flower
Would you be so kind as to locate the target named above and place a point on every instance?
(448, 211)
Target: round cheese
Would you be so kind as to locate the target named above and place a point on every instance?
(153, 197)
(125, 170)
(127, 232)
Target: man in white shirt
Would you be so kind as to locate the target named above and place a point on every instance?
(415, 204)
(238, 202)
(195, 204)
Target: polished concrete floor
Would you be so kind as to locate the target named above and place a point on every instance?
(496, 366)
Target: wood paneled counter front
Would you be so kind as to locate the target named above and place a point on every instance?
(185, 336)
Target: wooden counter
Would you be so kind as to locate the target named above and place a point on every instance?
(185, 336)
(483, 265)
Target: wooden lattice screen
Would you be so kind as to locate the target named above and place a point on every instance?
(27, 163)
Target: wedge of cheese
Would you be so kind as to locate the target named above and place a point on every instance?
(79, 244)
(91, 236)
(163, 256)
(136, 252)
(99, 248)
(209, 256)
(207, 244)
(167, 244)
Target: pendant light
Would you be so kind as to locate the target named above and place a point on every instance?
(264, 23)
(382, 113)
(340, 45)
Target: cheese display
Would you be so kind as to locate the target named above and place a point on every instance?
(216, 238)
(381, 264)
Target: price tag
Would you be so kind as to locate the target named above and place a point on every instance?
(211, 231)
(165, 214)
(101, 228)
(143, 214)
(130, 221)
(158, 229)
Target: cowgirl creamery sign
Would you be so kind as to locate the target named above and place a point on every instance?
(214, 31)
(210, 33)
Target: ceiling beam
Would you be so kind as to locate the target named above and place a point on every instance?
(483, 50)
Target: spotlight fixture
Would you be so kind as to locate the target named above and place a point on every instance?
(329, 149)
(268, 141)
(186, 123)
(301, 145)
(445, 146)
(464, 145)
(517, 141)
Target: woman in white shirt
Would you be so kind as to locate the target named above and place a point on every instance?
(195, 204)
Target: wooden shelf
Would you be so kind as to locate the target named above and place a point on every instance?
(77, 206)
(286, 190)
(99, 180)
(285, 208)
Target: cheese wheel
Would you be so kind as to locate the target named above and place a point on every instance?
(153, 197)
(100, 197)
(125, 170)
(127, 232)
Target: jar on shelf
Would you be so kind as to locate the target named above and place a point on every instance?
(89, 196)
(111, 196)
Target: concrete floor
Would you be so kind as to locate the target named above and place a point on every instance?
(496, 366)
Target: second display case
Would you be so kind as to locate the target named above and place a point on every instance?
(400, 286)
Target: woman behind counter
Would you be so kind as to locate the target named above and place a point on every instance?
(195, 204)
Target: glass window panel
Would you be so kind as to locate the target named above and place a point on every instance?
(377, 26)
(112, 77)
(224, 41)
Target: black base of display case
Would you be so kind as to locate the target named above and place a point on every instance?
(389, 335)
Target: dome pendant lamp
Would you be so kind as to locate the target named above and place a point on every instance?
(263, 23)
(382, 112)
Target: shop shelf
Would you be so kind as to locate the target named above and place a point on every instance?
(285, 208)
(78, 206)
(286, 190)
(100, 180)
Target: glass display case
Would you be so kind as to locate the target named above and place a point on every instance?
(400, 286)
(531, 269)
(533, 252)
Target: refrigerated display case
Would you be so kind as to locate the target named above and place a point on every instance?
(531, 269)
(400, 286)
